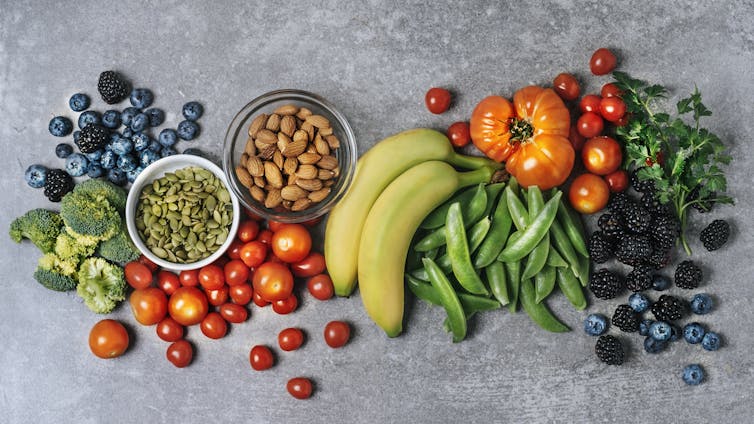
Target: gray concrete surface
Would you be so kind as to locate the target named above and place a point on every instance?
(374, 60)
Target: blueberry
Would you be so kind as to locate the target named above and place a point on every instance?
(36, 176)
(701, 303)
(193, 151)
(95, 170)
(693, 332)
(168, 137)
(89, 117)
(168, 151)
(711, 341)
(94, 156)
(693, 374)
(644, 327)
(141, 98)
(122, 146)
(141, 141)
(128, 132)
(595, 324)
(660, 282)
(638, 302)
(652, 345)
(154, 146)
(132, 174)
(148, 157)
(156, 116)
(128, 115)
(675, 333)
(76, 164)
(116, 176)
(140, 122)
(60, 126)
(76, 136)
(188, 130)
(107, 161)
(660, 331)
(62, 150)
(111, 119)
(192, 111)
(126, 163)
(79, 102)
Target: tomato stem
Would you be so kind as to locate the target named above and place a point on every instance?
(520, 130)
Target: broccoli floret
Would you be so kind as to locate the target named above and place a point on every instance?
(53, 262)
(88, 241)
(98, 187)
(119, 248)
(101, 285)
(68, 246)
(90, 215)
(40, 226)
(54, 280)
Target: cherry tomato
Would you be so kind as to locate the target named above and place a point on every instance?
(236, 272)
(309, 266)
(168, 282)
(590, 125)
(590, 103)
(248, 231)
(588, 193)
(259, 301)
(290, 339)
(321, 287)
(437, 100)
(459, 134)
(285, 306)
(601, 155)
(567, 86)
(189, 278)
(149, 264)
(180, 353)
(265, 237)
(603, 62)
(253, 253)
(241, 294)
(612, 108)
(108, 339)
(312, 222)
(188, 306)
(273, 281)
(220, 262)
(299, 387)
(234, 250)
(274, 225)
(138, 275)
(622, 121)
(214, 326)
(149, 305)
(610, 90)
(617, 181)
(234, 313)
(169, 330)
(217, 297)
(211, 277)
(576, 139)
(261, 358)
(337, 333)
(291, 243)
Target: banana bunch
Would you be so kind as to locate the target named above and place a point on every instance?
(397, 184)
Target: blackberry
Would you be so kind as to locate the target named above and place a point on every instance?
(688, 275)
(637, 219)
(633, 250)
(705, 205)
(715, 235)
(112, 87)
(610, 226)
(665, 230)
(93, 137)
(651, 203)
(642, 186)
(58, 184)
(669, 308)
(609, 349)
(600, 248)
(639, 279)
(659, 258)
(605, 285)
(626, 319)
(618, 204)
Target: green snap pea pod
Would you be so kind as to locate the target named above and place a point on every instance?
(544, 283)
(553, 257)
(471, 305)
(533, 234)
(419, 274)
(493, 191)
(563, 244)
(573, 229)
(475, 236)
(458, 251)
(518, 212)
(448, 297)
(571, 288)
(583, 274)
(493, 243)
(436, 218)
(432, 254)
(423, 290)
(513, 184)
(496, 279)
(538, 256)
(413, 259)
(471, 214)
(538, 312)
(513, 275)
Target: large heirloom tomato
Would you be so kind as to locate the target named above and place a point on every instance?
(530, 135)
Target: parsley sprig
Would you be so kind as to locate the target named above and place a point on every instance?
(675, 152)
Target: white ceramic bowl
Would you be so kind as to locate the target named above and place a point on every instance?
(157, 170)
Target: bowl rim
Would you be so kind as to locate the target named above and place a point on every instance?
(156, 170)
(236, 126)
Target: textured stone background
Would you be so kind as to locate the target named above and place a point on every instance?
(374, 61)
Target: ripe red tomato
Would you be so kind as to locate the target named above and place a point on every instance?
(168, 282)
(290, 339)
(234, 313)
(138, 275)
(603, 62)
(309, 266)
(253, 253)
(590, 103)
(617, 181)
(610, 90)
(273, 281)
(299, 387)
(217, 297)
(612, 108)
(248, 230)
(567, 86)
(321, 287)
(211, 277)
(221, 261)
(622, 121)
(236, 272)
(149, 264)
(188, 306)
(285, 306)
(459, 134)
(241, 294)
(274, 225)
(437, 100)
(169, 330)
(590, 125)
(337, 333)
(261, 358)
(576, 139)
(214, 326)
(291, 243)
(265, 237)
(234, 250)
(180, 353)
(189, 278)
(601, 155)
(149, 305)
(259, 301)
(108, 339)
(588, 194)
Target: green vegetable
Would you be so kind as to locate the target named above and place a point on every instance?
(458, 252)
(97, 187)
(693, 156)
(533, 233)
(544, 283)
(101, 285)
(563, 244)
(69, 246)
(495, 239)
(475, 235)
(538, 312)
(571, 288)
(513, 275)
(554, 259)
(436, 218)
(573, 228)
(40, 226)
(90, 215)
(449, 299)
(55, 273)
(471, 212)
(518, 212)
(495, 273)
(493, 190)
(119, 248)
(538, 256)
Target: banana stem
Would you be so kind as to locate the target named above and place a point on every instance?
(471, 162)
(482, 174)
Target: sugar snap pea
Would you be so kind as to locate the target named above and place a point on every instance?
(513, 184)
(493, 243)
(513, 275)
(583, 274)
(544, 283)
(518, 212)
(533, 234)
(571, 288)
(448, 297)
(423, 290)
(471, 305)
(554, 259)
(471, 213)
(563, 244)
(538, 256)
(493, 191)
(475, 235)
(573, 229)
(538, 312)
(458, 251)
(495, 273)
(436, 218)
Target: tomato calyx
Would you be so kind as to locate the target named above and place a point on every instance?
(520, 129)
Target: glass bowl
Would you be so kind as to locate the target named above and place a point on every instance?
(237, 136)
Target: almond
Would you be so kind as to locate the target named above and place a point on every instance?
(328, 183)
(267, 152)
(317, 121)
(277, 159)
(328, 162)
(243, 176)
(309, 128)
(293, 192)
(325, 131)
(250, 149)
(332, 141)
(288, 109)
(266, 136)
(244, 158)
(319, 195)
(309, 185)
(288, 125)
(259, 145)
(255, 167)
(311, 149)
(303, 113)
(295, 148)
(272, 173)
(321, 145)
(260, 182)
(283, 140)
(325, 174)
(300, 204)
(257, 124)
(307, 172)
(301, 135)
(290, 165)
(257, 193)
(273, 199)
(292, 179)
(308, 158)
(273, 123)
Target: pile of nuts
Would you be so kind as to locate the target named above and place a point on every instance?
(289, 158)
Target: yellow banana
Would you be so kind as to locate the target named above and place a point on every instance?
(374, 171)
(389, 227)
